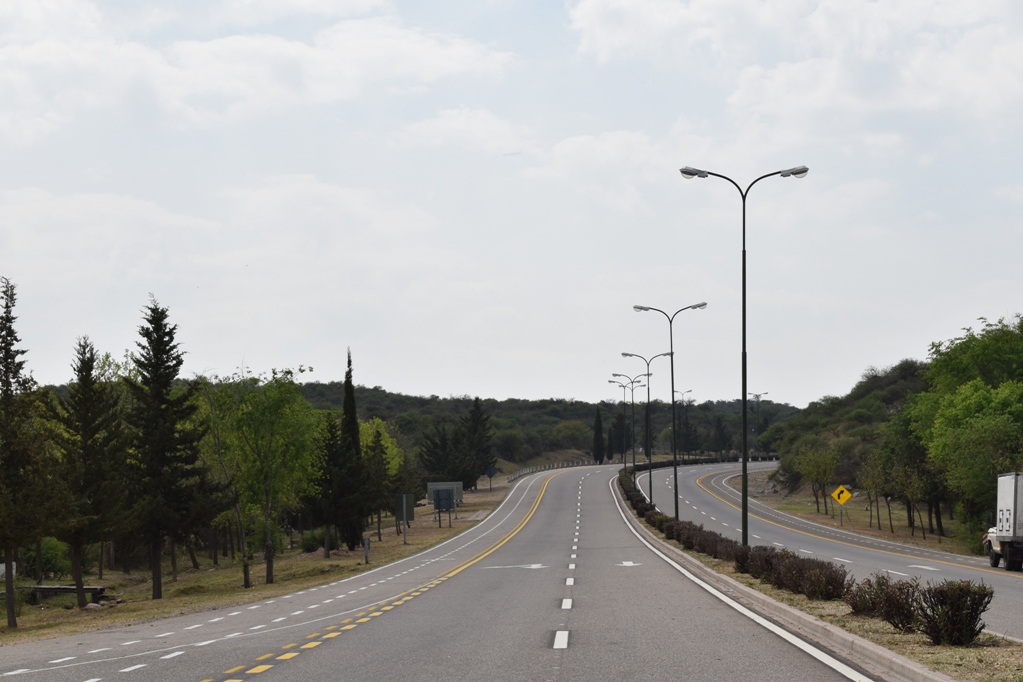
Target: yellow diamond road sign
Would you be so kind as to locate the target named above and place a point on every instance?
(841, 495)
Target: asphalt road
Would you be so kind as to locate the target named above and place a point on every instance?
(553, 585)
(706, 498)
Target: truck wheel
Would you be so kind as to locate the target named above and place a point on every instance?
(1013, 565)
(994, 558)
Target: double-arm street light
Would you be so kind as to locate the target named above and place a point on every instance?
(671, 354)
(646, 429)
(689, 173)
(632, 384)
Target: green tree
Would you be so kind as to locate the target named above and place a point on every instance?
(378, 479)
(276, 434)
(477, 436)
(816, 460)
(220, 451)
(90, 472)
(611, 444)
(598, 439)
(170, 478)
(977, 434)
(323, 497)
(23, 509)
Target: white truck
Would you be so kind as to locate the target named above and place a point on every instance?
(1005, 539)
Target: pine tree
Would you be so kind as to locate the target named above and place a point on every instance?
(92, 442)
(23, 501)
(598, 439)
(170, 477)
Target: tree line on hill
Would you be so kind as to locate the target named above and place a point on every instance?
(930, 437)
(525, 429)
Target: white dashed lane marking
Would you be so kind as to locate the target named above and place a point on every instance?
(561, 639)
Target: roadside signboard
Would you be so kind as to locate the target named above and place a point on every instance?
(841, 495)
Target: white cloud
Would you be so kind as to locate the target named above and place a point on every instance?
(46, 79)
(472, 127)
(843, 59)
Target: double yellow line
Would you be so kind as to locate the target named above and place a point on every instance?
(512, 533)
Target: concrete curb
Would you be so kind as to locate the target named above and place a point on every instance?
(873, 658)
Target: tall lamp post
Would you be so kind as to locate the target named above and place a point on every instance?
(646, 430)
(632, 385)
(689, 173)
(671, 355)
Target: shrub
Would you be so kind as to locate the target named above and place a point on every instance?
(761, 561)
(687, 534)
(950, 611)
(312, 540)
(705, 542)
(672, 529)
(657, 519)
(56, 561)
(741, 558)
(822, 579)
(866, 597)
(898, 604)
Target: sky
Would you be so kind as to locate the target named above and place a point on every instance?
(472, 195)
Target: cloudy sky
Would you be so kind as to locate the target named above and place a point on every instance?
(471, 194)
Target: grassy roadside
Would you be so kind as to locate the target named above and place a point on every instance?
(218, 587)
(856, 518)
(989, 659)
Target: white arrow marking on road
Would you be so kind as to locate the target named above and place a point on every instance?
(926, 568)
(532, 566)
(628, 563)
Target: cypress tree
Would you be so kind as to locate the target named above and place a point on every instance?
(610, 444)
(353, 507)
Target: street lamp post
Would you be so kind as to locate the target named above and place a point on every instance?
(632, 385)
(646, 430)
(671, 355)
(689, 173)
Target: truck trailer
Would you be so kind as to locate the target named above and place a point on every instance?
(1005, 539)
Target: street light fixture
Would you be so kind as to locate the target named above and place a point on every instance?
(671, 354)
(689, 173)
(646, 428)
(632, 385)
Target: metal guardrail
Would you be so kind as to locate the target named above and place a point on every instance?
(548, 467)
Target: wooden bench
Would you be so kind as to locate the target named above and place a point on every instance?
(39, 591)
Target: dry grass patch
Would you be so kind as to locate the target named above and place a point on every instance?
(220, 587)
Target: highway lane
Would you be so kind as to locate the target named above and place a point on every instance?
(554, 585)
(706, 498)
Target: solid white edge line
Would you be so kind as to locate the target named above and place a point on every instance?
(806, 647)
(561, 639)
